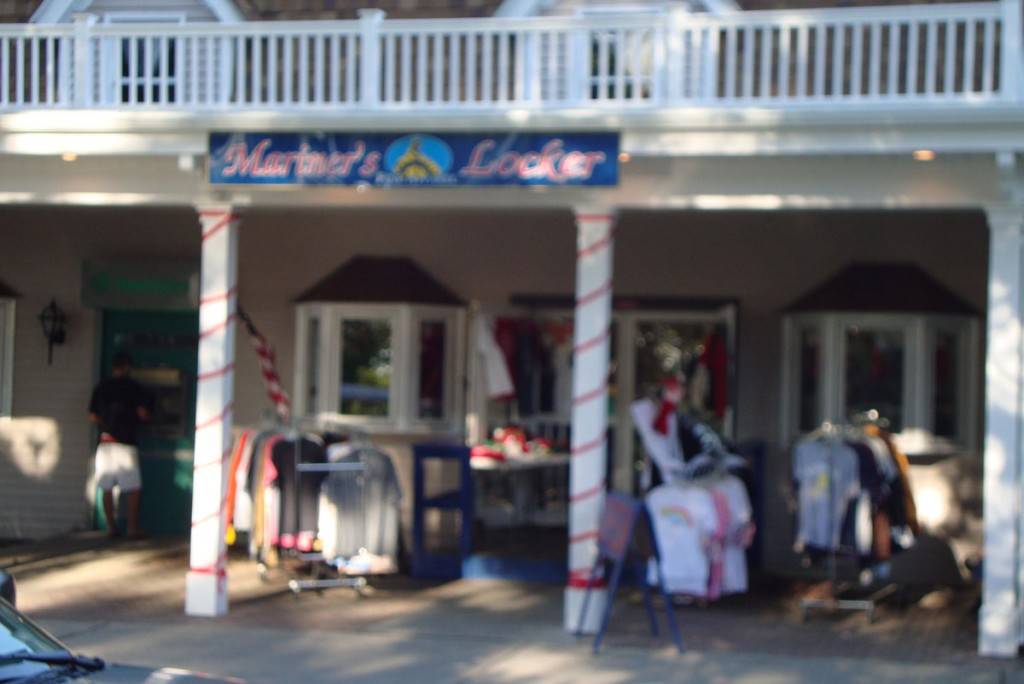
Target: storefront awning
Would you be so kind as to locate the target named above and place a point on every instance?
(380, 280)
(885, 288)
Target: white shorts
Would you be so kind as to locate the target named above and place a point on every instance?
(118, 465)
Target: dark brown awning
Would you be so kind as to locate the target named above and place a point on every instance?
(378, 280)
(884, 288)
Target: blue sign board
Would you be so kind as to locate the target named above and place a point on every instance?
(416, 159)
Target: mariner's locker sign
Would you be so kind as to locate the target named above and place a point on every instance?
(415, 160)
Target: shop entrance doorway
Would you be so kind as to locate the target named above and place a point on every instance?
(697, 346)
(162, 345)
(522, 505)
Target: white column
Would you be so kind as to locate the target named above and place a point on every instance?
(1011, 49)
(83, 60)
(206, 591)
(1000, 618)
(591, 351)
(370, 21)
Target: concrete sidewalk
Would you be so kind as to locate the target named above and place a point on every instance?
(400, 656)
(124, 602)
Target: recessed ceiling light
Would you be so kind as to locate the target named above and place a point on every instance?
(624, 157)
(924, 155)
(69, 156)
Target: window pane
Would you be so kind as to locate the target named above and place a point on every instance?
(947, 384)
(365, 367)
(432, 370)
(697, 351)
(810, 380)
(312, 365)
(874, 374)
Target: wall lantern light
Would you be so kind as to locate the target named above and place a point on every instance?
(53, 320)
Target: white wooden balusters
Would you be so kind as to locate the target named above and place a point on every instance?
(891, 56)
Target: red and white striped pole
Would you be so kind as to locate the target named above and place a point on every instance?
(591, 353)
(206, 591)
(268, 368)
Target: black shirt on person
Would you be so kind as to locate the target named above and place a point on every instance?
(116, 402)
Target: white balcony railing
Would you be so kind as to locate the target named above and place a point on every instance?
(955, 53)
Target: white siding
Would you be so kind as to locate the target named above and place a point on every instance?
(46, 449)
(41, 479)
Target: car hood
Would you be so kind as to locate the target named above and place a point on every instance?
(128, 674)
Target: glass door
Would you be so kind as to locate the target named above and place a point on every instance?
(696, 347)
(163, 347)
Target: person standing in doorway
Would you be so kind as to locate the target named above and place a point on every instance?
(118, 405)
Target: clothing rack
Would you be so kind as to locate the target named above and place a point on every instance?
(316, 560)
(318, 579)
(834, 433)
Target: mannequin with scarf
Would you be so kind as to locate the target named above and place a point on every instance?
(670, 438)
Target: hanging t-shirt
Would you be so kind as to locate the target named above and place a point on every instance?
(883, 459)
(298, 492)
(242, 445)
(716, 359)
(828, 480)
(360, 511)
(716, 553)
(863, 526)
(683, 518)
(562, 360)
(903, 469)
(527, 364)
(498, 380)
(734, 565)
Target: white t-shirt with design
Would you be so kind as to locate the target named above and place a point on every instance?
(683, 517)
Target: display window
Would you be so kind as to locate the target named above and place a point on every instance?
(917, 374)
(366, 351)
(874, 372)
(521, 407)
(384, 368)
(647, 347)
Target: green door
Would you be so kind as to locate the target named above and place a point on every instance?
(162, 345)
